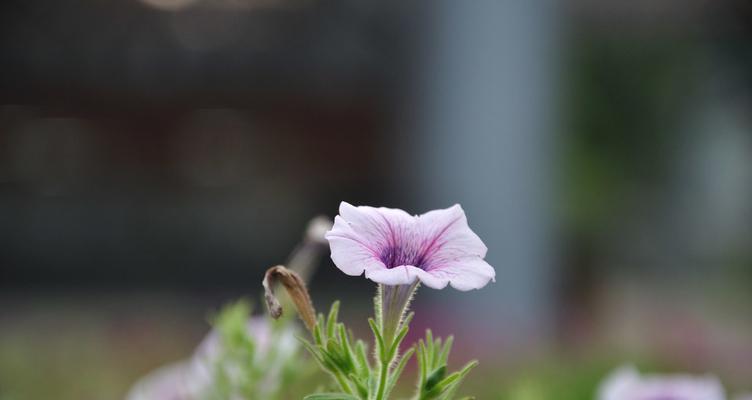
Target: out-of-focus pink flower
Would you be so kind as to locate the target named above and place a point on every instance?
(393, 247)
(627, 384)
(193, 379)
(165, 383)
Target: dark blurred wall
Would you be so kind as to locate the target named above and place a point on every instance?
(179, 143)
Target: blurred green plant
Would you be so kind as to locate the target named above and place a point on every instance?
(257, 364)
(243, 357)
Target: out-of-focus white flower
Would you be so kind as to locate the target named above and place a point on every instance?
(165, 383)
(194, 378)
(627, 384)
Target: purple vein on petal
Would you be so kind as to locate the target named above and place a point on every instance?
(432, 248)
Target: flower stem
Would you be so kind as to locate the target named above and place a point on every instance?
(394, 301)
(382, 378)
(391, 305)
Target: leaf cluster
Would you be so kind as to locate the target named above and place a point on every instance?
(243, 367)
(358, 377)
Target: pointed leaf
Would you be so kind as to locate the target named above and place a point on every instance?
(331, 321)
(435, 377)
(397, 372)
(379, 339)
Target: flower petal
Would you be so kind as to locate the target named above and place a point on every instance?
(450, 236)
(360, 234)
(350, 253)
(405, 275)
(466, 273)
(619, 384)
(402, 275)
(627, 384)
(380, 226)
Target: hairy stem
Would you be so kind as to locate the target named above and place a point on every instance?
(382, 378)
(394, 303)
(391, 304)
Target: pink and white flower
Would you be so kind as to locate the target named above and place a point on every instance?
(393, 247)
(627, 384)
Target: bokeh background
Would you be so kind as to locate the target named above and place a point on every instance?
(157, 155)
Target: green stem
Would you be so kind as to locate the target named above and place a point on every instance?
(382, 377)
(391, 305)
(394, 301)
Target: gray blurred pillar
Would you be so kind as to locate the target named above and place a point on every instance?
(484, 108)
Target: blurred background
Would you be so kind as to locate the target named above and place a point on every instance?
(156, 156)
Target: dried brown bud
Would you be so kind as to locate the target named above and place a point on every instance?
(296, 289)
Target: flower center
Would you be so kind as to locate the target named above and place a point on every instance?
(394, 256)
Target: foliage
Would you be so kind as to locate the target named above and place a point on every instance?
(356, 376)
(265, 362)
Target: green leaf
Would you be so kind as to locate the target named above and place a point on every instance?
(360, 353)
(318, 338)
(379, 339)
(433, 381)
(344, 342)
(361, 385)
(430, 347)
(397, 372)
(435, 377)
(397, 341)
(451, 383)
(422, 365)
(444, 354)
(408, 318)
(331, 321)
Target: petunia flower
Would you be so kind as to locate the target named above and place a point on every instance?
(393, 247)
(627, 384)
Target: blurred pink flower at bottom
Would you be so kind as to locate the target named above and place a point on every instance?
(192, 379)
(165, 383)
(627, 384)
